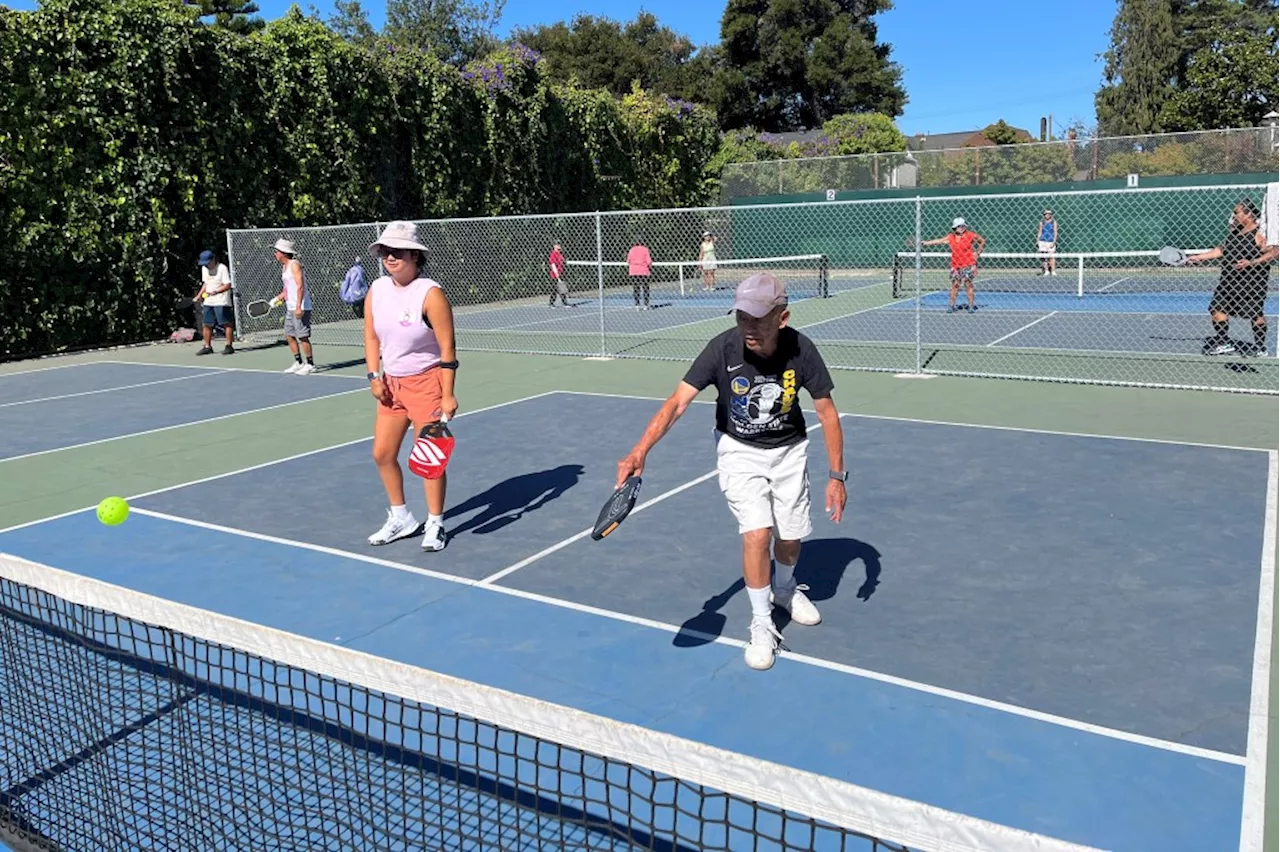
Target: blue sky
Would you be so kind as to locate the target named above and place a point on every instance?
(965, 65)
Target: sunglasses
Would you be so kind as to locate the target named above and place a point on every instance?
(397, 253)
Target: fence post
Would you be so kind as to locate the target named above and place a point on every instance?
(919, 261)
(600, 283)
(235, 292)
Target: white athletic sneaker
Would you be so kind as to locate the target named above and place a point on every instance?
(763, 647)
(305, 369)
(433, 537)
(395, 528)
(293, 368)
(798, 605)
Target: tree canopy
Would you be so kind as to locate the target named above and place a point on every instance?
(789, 64)
(602, 53)
(1177, 65)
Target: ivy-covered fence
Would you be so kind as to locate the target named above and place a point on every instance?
(131, 136)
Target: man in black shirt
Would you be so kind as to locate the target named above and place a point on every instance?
(758, 368)
(1242, 285)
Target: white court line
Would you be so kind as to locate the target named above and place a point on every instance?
(854, 314)
(529, 560)
(1253, 816)
(1112, 284)
(916, 686)
(258, 466)
(322, 372)
(963, 425)
(511, 569)
(181, 425)
(1024, 328)
(572, 314)
(107, 390)
(46, 369)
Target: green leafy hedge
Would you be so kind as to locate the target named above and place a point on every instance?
(131, 136)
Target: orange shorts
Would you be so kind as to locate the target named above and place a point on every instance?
(417, 397)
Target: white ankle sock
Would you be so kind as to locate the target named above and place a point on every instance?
(401, 512)
(760, 605)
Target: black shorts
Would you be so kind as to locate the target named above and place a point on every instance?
(1237, 298)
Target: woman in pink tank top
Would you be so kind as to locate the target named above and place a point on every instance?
(411, 362)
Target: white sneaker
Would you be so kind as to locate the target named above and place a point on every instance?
(433, 537)
(763, 647)
(395, 528)
(305, 369)
(293, 368)
(798, 605)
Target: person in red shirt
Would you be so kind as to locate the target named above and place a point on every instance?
(964, 258)
(639, 265)
(555, 262)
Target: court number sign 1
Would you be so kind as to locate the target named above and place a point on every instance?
(1133, 181)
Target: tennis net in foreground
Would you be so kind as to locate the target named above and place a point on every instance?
(134, 722)
(1077, 274)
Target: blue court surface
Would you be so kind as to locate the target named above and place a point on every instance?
(1157, 323)
(668, 308)
(1054, 633)
(42, 411)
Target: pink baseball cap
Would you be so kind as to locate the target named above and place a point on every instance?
(759, 294)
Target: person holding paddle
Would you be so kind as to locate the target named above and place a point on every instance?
(297, 301)
(964, 259)
(758, 368)
(410, 356)
(1242, 283)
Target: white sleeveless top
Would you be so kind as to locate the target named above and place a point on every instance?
(291, 290)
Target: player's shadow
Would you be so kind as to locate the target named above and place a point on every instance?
(509, 500)
(823, 563)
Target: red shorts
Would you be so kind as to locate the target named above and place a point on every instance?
(416, 397)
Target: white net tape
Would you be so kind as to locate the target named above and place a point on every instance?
(1111, 314)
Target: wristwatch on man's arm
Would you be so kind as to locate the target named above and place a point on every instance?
(839, 475)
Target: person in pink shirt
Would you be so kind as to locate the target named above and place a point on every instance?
(555, 262)
(410, 356)
(639, 265)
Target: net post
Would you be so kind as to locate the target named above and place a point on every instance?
(682, 292)
(235, 291)
(1080, 277)
(824, 272)
(600, 282)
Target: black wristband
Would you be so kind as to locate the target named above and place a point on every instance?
(448, 365)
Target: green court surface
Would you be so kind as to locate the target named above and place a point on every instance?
(40, 485)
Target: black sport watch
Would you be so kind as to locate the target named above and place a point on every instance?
(372, 376)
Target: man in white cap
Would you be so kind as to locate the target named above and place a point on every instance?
(964, 259)
(297, 302)
(758, 367)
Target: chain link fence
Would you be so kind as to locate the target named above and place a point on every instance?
(1100, 309)
(1247, 150)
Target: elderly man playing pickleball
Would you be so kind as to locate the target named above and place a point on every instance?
(758, 367)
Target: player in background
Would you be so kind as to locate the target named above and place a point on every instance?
(555, 264)
(297, 302)
(1047, 243)
(964, 259)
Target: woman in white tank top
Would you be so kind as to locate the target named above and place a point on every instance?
(411, 361)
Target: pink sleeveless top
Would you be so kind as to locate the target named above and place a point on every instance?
(409, 346)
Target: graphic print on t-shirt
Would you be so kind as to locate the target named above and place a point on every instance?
(762, 403)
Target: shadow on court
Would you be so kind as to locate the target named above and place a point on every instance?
(822, 566)
(509, 500)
